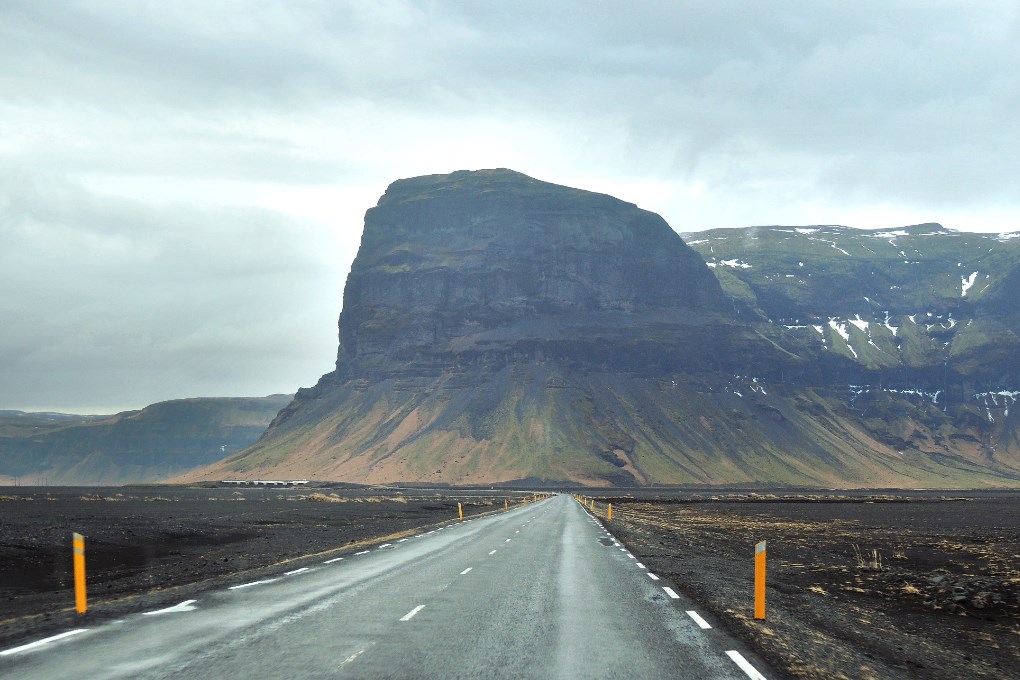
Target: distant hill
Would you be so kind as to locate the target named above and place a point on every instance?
(499, 328)
(158, 441)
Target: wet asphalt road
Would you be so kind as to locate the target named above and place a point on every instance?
(537, 592)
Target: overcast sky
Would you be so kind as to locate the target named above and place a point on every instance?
(183, 184)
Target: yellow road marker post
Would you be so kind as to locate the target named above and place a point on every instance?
(759, 581)
(506, 505)
(593, 505)
(609, 513)
(460, 511)
(78, 544)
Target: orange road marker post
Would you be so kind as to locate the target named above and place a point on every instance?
(78, 544)
(759, 581)
(609, 513)
(460, 511)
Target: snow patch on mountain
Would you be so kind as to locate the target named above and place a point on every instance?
(966, 283)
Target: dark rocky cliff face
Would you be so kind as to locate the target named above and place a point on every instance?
(496, 262)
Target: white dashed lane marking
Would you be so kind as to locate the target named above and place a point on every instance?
(335, 559)
(750, 670)
(466, 571)
(352, 657)
(653, 576)
(492, 552)
(410, 615)
(702, 623)
(363, 552)
(295, 571)
(671, 592)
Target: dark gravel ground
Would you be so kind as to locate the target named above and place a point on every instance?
(148, 546)
(943, 603)
(880, 585)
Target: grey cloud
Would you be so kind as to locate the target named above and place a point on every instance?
(767, 107)
(128, 302)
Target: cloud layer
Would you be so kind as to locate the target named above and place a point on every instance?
(182, 186)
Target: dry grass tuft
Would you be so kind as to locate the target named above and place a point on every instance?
(323, 498)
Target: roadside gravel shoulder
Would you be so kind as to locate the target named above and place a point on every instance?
(941, 602)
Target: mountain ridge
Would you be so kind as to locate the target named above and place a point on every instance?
(143, 445)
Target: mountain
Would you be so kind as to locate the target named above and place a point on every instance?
(158, 441)
(915, 298)
(497, 328)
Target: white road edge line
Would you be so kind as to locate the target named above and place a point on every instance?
(363, 552)
(185, 606)
(640, 566)
(671, 592)
(335, 559)
(466, 571)
(653, 576)
(702, 623)
(751, 671)
(410, 615)
(40, 643)
(253, 583)
(295, 571)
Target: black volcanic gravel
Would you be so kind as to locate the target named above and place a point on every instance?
(863, 585)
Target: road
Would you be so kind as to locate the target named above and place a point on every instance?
(541, 591)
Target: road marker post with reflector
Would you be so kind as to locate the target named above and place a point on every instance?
(759, 581)
(78, 545)
(460, 511)
(506, 505)
(609, 513)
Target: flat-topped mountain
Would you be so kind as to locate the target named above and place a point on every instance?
(474, 266)
(497, 328)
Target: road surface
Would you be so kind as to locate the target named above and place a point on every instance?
(541, 591)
